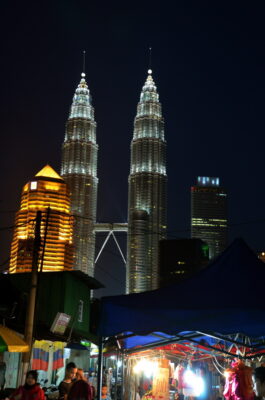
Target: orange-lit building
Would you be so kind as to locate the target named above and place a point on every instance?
(46, 192)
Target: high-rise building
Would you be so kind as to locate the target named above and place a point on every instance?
(46, 192)
(147, 192)
(209, 214)
(79, 170)
(180, 258)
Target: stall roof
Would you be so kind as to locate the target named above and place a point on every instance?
(226, 297)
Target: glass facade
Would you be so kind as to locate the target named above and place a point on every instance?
(147, 192)
(79, 170)
(209, 214)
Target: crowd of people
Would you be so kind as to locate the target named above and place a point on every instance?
(74, 386)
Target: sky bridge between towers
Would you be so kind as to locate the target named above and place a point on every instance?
(110, 229)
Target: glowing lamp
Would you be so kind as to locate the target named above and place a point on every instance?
(196, 383)
(145, 366)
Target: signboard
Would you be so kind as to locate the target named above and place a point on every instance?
(60, 323)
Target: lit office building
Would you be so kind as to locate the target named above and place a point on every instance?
(46, 192)
(79, 170)
(209, 214)
(147, 192)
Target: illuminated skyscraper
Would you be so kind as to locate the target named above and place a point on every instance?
(147, 192)
(209, 214)
(79, 170)
(47, 190)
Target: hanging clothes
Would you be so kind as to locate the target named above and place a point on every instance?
(160, 389)
(40, 357)
(58, 358)
(179, 375)
(238, 385)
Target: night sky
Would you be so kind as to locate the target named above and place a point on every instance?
(208, 65)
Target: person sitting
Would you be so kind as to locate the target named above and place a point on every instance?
(31, 390)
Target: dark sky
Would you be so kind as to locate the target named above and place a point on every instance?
(208, 64)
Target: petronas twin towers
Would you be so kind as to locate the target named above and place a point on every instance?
(79, 170)
(147, 185)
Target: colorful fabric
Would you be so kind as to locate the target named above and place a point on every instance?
(179, 375)
(58, 360)
(40, 358)
(10, 341)
(238, 384)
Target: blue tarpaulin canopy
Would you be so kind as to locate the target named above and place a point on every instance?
(227, 297)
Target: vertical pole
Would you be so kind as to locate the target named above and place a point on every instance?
(32, 297)
(45, 238)
(100, 367)
(122, 376)
(116, 375)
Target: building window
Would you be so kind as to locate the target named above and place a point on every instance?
(33, 185)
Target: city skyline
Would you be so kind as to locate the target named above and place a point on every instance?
(208, 65)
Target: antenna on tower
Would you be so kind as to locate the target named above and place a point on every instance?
(150, 61)
(84, 64)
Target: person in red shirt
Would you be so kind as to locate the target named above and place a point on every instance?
(31, 390)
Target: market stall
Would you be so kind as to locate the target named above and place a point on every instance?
(11, 347)
(10, 341)
(220, 311)
(169, 373)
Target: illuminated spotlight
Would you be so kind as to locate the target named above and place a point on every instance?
(196, 383)
(145, 366)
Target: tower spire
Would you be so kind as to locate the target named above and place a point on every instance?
(84, 64)
(150, 61)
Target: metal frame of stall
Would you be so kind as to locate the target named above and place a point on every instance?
(236, 345)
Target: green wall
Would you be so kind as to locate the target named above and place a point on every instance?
(58, 292)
